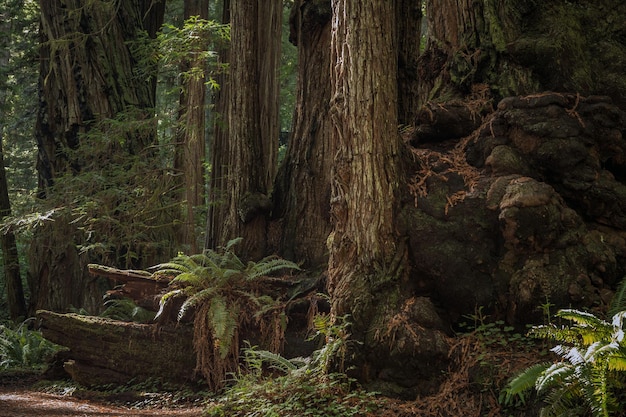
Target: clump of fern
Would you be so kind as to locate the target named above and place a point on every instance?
(22, 347)
(590, 371)
(271, 385)
(224, 295)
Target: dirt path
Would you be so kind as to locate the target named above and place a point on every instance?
(26, 403)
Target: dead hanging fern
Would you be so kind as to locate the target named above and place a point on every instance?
(224, 295)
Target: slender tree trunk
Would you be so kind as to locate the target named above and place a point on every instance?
(302, 190)
(252, 122)
(191, 143)
(12, 276)
(86, 76)
(219, 149)
(368, 258)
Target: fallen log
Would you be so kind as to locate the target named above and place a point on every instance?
(140, 286)
(104, 351)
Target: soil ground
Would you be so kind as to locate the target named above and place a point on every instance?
(18, 398)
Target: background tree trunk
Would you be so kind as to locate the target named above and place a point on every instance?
(302, 190)
(217, 180)
(409, 33)
(253, 127)
(86, 76)
(191, 143)
(368, 257)
(10, 258)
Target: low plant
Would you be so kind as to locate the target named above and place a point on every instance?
(22, 347)
(224, 295)
(589, 374)
(270, 385)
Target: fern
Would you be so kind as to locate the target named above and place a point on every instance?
(591, 352)
(272, 360)
(224, 324)
(618, 303)
(523, 382)
(222, 290)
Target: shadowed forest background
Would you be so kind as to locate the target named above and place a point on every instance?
(389, 175)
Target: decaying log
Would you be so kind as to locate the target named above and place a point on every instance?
(140, 286)
(104, 351)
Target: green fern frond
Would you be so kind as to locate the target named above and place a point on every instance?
(267, 266)
(223, 324)
(583, 319)
(555, 375)
(232, 243)
(169, 268)
(190, 279)
(196, 299)
(564, 401)
(617, 362)
(618, 303)
(524, 381)
(558, 334)
(273, 360)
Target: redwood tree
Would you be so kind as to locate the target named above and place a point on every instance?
(368, 256)
(248, 165)
(302, 190)
(10, 258)
(190, 141)
(89, 56)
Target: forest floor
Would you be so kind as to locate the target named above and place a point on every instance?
(470, 389)
(20, 396)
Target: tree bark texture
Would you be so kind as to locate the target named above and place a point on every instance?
(191, 143)
(302, 190)
(368, 259)
(409, 33)
(217, 209)
(516, 48)
(253, 128)
(86, 76)
(104, 351)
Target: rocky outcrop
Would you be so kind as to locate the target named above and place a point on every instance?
(529, 209)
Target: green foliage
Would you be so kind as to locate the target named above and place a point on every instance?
(224, 293)
(592, 355)
(618, 303)
(302, 388)
(495, 333)
(24, 348)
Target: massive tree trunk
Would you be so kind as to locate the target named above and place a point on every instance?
(190, 140)
(368, 266)
(302, 191)
(519, 47)
(86, 76)
(252, 117)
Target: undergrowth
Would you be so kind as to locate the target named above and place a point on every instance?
(21, 347)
